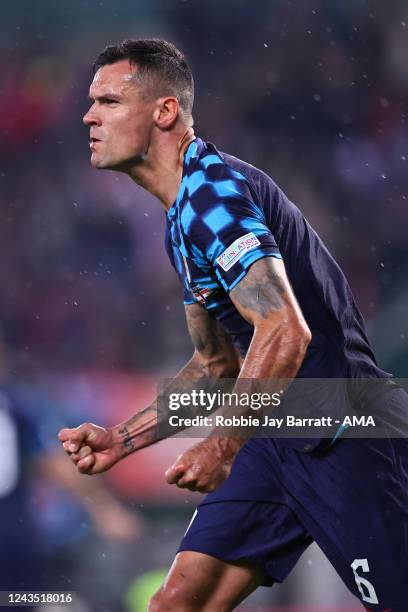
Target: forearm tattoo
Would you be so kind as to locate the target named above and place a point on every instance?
(215, 356)
(142, 429)
(127, 439)
(139, 431)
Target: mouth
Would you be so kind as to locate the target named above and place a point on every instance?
(93, 141)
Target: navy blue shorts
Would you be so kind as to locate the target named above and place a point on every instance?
(352, 499)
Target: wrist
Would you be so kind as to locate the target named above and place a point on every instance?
(228, 446)
(122, 440)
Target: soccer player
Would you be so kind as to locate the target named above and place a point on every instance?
(264, 300)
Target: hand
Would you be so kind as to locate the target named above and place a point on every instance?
(204, 466)
(90, 447)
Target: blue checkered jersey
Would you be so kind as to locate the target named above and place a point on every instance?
(227, 215)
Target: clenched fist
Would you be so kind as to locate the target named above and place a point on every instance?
(90, 447)
(205, 466)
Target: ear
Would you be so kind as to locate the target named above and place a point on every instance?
(166, 112)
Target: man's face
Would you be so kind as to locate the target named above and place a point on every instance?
(120, 118)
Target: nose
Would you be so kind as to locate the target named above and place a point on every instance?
(90, 118)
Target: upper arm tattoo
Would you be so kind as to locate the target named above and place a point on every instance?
(263, 290)
(207, 335)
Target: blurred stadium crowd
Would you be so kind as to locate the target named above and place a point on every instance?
(315, 94)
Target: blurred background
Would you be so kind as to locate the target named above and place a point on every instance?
(314, 93)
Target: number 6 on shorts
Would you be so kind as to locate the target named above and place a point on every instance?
(365, 587)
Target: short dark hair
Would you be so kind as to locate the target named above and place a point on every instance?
(155, 58)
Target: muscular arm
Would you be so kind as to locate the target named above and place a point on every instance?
(95, 449)
(281, 336)
(214, 357)
(265, 299)
(280, 339)
(279, 342)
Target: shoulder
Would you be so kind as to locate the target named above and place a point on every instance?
(262, 186)
(215, 181)
(209, 173)
(219, 174)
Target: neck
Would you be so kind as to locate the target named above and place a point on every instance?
(161, 171)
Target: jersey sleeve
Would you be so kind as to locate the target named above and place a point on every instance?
(187, 296)
(224, 224)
